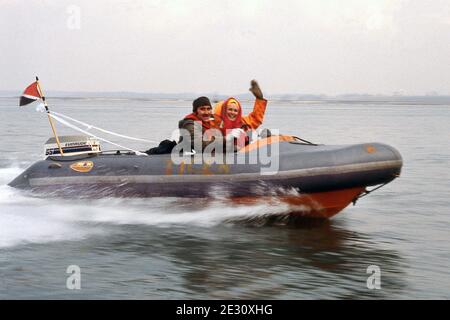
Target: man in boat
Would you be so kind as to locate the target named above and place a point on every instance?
(202, 126)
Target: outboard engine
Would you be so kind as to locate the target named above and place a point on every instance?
(72, 145)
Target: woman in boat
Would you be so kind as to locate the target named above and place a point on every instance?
(230, 113)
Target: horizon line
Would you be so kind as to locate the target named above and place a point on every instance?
(318, 95)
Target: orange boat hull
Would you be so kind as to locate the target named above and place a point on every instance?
(311, 205)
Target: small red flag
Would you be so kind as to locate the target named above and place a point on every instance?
(30, 94)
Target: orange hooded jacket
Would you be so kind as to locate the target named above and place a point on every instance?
(251, 121)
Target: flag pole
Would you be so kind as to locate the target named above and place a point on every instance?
(49, 117)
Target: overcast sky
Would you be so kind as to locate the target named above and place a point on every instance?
(298, 46)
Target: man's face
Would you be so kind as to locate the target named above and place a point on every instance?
(204, 113)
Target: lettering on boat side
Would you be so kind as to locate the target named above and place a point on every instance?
(82, 166)
(374, 280)
(205, 169)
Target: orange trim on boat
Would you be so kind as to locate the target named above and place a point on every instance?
(260, 143)
(311, 205)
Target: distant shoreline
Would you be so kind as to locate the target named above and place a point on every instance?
(292, 98)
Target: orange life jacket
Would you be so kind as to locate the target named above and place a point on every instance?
(206, 125)
(211, 124)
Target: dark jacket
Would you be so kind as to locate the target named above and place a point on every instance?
(192, 126)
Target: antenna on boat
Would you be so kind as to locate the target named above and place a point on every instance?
(48, 115)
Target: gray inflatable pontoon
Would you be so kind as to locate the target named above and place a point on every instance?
(320, 180)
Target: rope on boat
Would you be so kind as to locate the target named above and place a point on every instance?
(58, 117)
(306, 141)
(89, 126)
(64, 122)
(366, 192)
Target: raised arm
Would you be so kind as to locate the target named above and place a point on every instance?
(255, 118)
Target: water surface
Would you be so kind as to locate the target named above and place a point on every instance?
(165, 248)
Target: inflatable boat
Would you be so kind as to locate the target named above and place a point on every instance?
(316, 180)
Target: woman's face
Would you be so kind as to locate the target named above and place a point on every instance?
(232, 111)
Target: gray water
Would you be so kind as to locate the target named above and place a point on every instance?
(165, 248)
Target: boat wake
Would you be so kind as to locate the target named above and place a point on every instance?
(26, 218)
